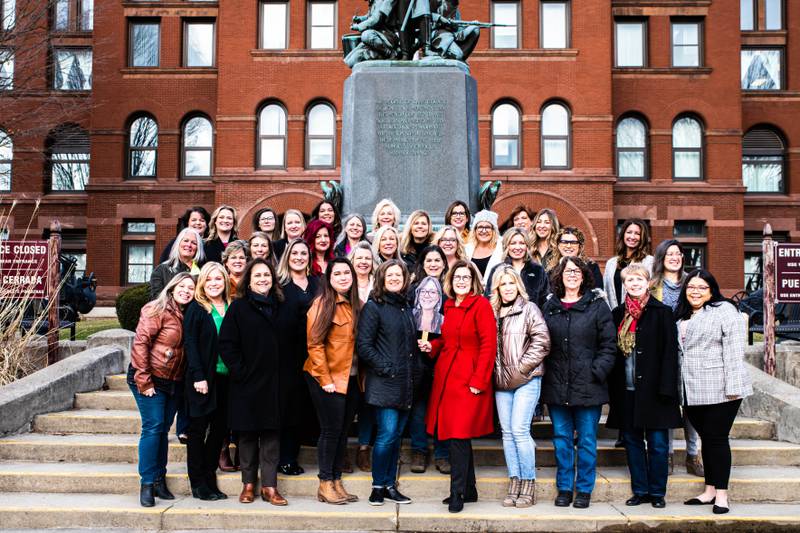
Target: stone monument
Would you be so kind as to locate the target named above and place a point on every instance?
(410, 133)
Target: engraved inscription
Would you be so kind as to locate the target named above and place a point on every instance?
(409, 127)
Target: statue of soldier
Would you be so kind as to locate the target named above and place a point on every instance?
(452, 41)
(410, 19)
(378, 37)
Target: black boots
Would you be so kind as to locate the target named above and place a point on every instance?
(161, 490)
(146, 496)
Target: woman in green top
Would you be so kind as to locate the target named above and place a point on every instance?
(206, 380)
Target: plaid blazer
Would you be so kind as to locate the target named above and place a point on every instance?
(712, 356)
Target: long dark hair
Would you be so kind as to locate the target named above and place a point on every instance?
(642, 250)
(183, 221)
(448, 214)
(660, 256)
(684, 310)
(276, 233)
(323, 321)
(557, 276)
(337, 219)
(244, 285)
(419, 267)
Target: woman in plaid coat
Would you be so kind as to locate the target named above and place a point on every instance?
(714, 378)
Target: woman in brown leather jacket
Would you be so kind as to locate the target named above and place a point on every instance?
(155, 377)
(524, 342)
(331, 372)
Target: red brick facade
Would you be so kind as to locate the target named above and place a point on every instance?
(582, 76)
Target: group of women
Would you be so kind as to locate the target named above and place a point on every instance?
(431, 331)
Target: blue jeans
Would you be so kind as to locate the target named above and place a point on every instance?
(417, 431)
(649, 469)
(515, 410)
(567, 420)
(386, 452)
(157, 412)
(366, 423)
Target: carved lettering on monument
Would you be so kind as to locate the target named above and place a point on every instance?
(409, 127)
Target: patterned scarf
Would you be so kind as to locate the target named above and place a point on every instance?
(626, 334)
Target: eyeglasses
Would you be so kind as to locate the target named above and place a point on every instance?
(697, 288)
(484, 229)
(458, 214)
(572, 272)
(429, 292)
(449, 239)
(462, 278)
(568, 243)
(265, 218)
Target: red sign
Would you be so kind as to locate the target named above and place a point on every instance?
(787, 273)
(23, 269)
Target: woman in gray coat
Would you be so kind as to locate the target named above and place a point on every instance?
(714, 378)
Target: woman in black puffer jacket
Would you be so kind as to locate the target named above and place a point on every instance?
(387, 346)
(582, 354)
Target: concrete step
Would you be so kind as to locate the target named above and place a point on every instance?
(488, 452)
(32, 510)
(748, 483)
(117, 382)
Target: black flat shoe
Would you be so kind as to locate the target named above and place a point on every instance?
(376, 497)
(658, 502)
(698, 501)
(717, 509)
(563, 499)
(183, 438)
(582, 500)
(291, 469)
(394, 495)
(471, 496)
(161, 490)
(204, 493)
(637, 499)
(456, 503)
(146, 496)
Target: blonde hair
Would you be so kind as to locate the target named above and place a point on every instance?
(510, 234)
(552, 239)
(476, 287)
(461, 252)
(286, 214)
(199, 288)
(376, 242)
(407, 239)
(364, 245)
(505, 270)
(159, 305)
(284, 273)
(376, 212)
(212, 225)
(635, 269)
(473, 235)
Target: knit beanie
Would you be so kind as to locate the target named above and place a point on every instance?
(485, 216)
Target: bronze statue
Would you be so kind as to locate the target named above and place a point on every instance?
(397, 29)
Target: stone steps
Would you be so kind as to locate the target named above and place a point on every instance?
(35, 510)
(748, 483)
(104, 448)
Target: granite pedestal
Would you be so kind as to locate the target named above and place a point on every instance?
(410, 133)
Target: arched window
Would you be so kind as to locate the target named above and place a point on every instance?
(198, 146)
(6, 158)
(763, 161)
(68, 149)
(555, 137)
(505, 136)
(687, 149)
(143, 148)
(631, 148)
(272, 137)
(320, 137)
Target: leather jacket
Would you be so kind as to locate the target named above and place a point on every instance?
(157, 351)
(523, 343)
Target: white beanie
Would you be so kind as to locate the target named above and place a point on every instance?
(485, 216)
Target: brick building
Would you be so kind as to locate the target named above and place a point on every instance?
(681, 112)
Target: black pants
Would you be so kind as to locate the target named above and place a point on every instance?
(259, 448)
(206, 435)
(713, 423)
(335, 412)
(462, 466)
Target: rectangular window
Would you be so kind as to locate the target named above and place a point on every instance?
(70, 171)
(762, 69)
(6, 159)
(62, 15)
(773, 15)
(506, 13)
(138, 250)
(72, 69)
(80, 262)
(630, 43)
(686, 50)
(763, 173)
(6, 69)
(8, 14)
(747, 15)
(87, 15)
(692, 235)
(322, 25)
(198, 44)
(144, 43)
(274, 25)
(73, 15)
(554, 25)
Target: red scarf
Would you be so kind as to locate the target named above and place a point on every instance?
(626, 333)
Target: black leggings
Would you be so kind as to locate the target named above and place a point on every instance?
(713, 423)
(335, 412)
(462, 466)
(206, 435)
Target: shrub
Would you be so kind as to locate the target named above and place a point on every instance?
(129, 305)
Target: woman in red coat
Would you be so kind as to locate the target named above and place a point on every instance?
(461, 404)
